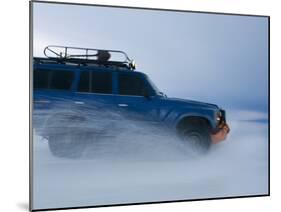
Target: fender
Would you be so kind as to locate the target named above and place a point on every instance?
(175, 115)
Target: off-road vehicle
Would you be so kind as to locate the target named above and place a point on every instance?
(82, 93)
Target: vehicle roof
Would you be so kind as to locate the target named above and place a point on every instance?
(40, 62)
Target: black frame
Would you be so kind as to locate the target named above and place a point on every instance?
(31, 106)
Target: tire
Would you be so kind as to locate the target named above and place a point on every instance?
(64, 136)
(195, 135)
(66, 145)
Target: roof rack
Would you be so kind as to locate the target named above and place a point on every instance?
(87, 56)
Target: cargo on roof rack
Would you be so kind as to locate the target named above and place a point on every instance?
(88, 56)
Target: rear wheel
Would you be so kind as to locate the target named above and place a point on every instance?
(70, 145)
(65, 139)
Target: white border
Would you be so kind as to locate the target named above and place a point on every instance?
(14, 103)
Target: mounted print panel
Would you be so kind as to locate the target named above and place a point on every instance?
(136, 105)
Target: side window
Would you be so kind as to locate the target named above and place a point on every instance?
(40, 79)
(131, 84)
(53, 79)
(95, 82)
(61, 80)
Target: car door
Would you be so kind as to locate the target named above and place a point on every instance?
(132, 100)
(52, 86)
(52, 92)
(94, 98)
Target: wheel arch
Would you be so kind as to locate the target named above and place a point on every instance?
(192, 119)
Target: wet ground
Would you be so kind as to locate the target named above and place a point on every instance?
(140, 167)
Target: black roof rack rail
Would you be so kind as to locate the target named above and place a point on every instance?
(87, 56)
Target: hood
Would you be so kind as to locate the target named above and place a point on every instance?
(191, 103)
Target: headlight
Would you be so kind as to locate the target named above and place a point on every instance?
(218, 116)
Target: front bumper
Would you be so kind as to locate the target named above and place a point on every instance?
(220, 133)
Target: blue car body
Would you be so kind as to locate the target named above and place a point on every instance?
(155, 108)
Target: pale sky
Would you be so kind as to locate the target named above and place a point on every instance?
(220, 59)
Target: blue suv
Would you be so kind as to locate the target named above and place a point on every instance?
(80, 94)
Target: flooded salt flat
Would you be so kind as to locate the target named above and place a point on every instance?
(145, 167)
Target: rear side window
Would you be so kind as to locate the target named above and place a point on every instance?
(53, 79)
(95, 82)
(41, 79)
(131, 84)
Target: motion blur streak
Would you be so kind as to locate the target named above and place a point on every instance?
(140, 165)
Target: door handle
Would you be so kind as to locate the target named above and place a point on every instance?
(42, 101)
(79, 102)
(122, 105)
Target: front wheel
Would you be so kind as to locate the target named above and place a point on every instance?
(196, 136)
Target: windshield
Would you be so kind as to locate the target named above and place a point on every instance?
(157, 91)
